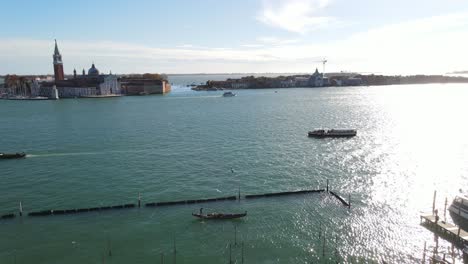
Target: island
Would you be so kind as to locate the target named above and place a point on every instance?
(318, 79)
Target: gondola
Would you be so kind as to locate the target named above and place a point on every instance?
(219, 216)
(12, 155)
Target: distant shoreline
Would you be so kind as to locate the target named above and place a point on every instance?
(319, 80)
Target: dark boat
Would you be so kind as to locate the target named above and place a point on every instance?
(333, 133)
(12, 155)
(219, 216)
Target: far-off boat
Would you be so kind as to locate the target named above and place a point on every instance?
(218, 216)
(229, 94)
(333, 133)
(12, 155)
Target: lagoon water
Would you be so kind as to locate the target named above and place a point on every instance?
(90, 152)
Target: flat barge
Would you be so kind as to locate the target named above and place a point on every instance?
(321, 133)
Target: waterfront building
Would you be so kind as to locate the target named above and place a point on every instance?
(92, 85)
(316, 80)
(302, 81)
(133, 85)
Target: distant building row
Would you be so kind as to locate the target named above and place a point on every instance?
(85, 85)
(314, 80)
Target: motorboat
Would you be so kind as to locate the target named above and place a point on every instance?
(12, 155)
(459, 211)
(333, 133)
(218, 216)
(228, 94)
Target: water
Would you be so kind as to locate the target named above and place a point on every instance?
(90, 152)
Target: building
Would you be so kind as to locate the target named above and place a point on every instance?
(316, 80)
(302, 81)
(93, 84)
(133, 85)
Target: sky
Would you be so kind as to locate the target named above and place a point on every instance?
(242, 36)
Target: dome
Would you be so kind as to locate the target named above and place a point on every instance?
(93, 71)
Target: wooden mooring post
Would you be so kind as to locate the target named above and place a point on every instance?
(445, 210)
(424, 253)
(20, 209)
(242, 253)
(433, 202)
(230, 254)
(175, 251)
(327, 185)
(349, 201)
(139, 200)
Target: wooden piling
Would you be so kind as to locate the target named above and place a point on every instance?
(320, 230)
(327, 185)
(109, 246)
(424, 253)
(20, 209)
(235, 235)
(445, 210)
(175, 251)
(349, 200)
(433, 202)
(242, 253)
(323, 245)
(162, 258)
(230, 254)
(139, 200)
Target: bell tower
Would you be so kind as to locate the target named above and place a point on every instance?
(58, 64)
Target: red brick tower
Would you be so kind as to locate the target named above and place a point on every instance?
(58, 65)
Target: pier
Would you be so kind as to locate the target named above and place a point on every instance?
(451, 232)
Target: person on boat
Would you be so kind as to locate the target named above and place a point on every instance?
(201, 210)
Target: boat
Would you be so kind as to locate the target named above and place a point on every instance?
(218, 216)
(459, 211)
(333, 133)
(12, 155)
(229, 94)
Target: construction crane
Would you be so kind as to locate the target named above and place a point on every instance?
(323, 61)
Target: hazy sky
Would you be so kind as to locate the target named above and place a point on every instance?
(217, 36)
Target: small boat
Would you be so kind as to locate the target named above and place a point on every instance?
(459, 211)
(229, 94)
(219, 216)
(333, 133)
(12, 155)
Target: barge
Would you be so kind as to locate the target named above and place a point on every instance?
(333, 133)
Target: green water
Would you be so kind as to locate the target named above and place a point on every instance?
(90, 152)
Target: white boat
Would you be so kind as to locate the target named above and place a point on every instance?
(228, 94)
(459, 210)
(333, 133)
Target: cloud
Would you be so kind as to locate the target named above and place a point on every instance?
(274, 41)
(429, 45)
(299, 16)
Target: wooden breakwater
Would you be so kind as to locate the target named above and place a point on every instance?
(80, 210)
(51, 212)
(252, 196)
(191, 201)
(341, 199)
(8, 216)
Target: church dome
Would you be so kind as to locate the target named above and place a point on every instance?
(93, 71)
